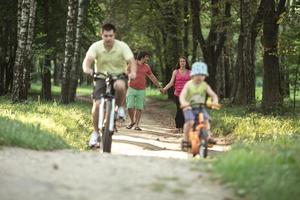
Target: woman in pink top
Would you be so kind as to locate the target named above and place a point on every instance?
(179, 77)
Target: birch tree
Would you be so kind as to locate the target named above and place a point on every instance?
(82, 7)
(69, 49)
(25, 37)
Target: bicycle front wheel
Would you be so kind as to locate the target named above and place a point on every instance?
(107, 134)
(203, 144)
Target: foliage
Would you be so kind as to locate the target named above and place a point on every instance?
(289, 46)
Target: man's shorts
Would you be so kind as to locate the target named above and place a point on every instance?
(192, 115)
(135, 98)
(100, 87)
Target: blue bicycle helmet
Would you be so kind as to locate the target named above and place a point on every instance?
(199, 68)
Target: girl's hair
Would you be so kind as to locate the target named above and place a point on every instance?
(187, 66)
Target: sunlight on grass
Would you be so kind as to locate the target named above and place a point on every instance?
(71, 123)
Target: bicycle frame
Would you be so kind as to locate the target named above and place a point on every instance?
(198, 137)
(106, 122)
(108, 96)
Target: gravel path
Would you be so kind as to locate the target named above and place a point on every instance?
(143, 165)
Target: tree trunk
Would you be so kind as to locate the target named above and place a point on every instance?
(224, 72)
(3, 53)
(18, 93)
(82, 7)
(9, 73)
(55, 70)
(69, 49)
(195, 7)
(272, 97)
(212, 47)
(186, 28)
(244, 92)
(46, 92)
(30, 37)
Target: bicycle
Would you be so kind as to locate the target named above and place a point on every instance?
(107, 107)
(198, 134)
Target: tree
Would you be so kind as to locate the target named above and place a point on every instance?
(46, 93)
(212, 46)
(244, 82)
(272, 96)
(8, 43)
(25, 37)
(69, 50)
(82, 7)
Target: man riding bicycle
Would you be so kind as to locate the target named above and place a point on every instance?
(113, 56)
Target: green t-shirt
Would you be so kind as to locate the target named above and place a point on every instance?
(113, 61)
(196, 94)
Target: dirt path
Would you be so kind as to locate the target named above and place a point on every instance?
(155, 169)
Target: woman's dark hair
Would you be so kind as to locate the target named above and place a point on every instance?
(187, 66)
(108, 27)
(142, 54)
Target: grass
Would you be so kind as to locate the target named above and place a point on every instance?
(82, 90)
(264, 162)
(155, 94)
(263, 171)
(44, 126)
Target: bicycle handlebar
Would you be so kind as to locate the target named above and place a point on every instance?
(209, 105)
(100, 75)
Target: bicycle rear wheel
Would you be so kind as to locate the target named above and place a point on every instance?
(107, 134)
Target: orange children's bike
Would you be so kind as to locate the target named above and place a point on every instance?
(198, 134)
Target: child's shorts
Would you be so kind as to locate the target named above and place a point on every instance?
(192, 115)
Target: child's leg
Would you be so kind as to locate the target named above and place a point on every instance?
(210, 138)
(208, 126)
(186, 128)
(189, 121)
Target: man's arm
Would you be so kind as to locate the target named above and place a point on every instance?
(154, 80)
(132, 64)
(87, 65)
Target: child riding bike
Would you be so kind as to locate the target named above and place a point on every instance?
(192, 96)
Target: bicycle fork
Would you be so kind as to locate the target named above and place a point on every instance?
(102, 115)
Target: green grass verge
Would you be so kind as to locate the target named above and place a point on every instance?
(44, 126)
(264, 162)
(251, 127)
(263, 171)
